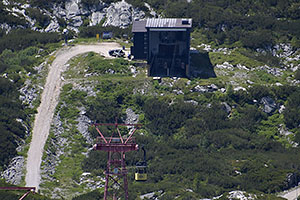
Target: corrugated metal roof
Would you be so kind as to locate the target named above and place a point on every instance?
(139, 26)
(168, 23)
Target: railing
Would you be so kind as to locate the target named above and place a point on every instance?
(109, 144)
(115, 140)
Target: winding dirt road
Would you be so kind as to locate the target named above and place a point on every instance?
(49, 100)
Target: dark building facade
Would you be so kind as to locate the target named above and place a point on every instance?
(165, 44)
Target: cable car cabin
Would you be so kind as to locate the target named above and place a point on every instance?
(141, 171)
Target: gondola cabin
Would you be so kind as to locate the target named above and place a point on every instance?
(141, 173)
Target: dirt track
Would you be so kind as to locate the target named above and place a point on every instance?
(291, 194)
(49, 100)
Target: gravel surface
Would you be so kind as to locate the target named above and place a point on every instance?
(49, 100)
(291, 194)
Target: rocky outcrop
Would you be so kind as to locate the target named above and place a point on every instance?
(28, 94)
(83, 124)
(152, 195)
(241, 195)
(96, 18)
(225, 65)
(205, 89)
(131, 117)
(268, 105)
(53, 26)
(13, 174)
(73, 12)
(235, 195)
(121, 14)
(270, 70)
(90, 182)
(56, 146)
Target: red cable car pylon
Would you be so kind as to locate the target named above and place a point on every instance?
(28, 189)
(116, 184)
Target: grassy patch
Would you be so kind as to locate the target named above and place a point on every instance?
(235, 57)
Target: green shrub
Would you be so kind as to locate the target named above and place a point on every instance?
(292, 111)
(11, 130)
(42, 20)
(96, 194)
(100, 65)
(22, 38)
(91, 31)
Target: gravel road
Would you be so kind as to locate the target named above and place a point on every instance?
(49, 100)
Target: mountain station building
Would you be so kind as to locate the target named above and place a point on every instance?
(165, 44)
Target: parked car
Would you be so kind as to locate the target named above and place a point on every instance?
(117, 53)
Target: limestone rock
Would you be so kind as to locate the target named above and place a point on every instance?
(96, 18)
(274, 71)
(55, 149)
(131, 117)
(240, 195)
(269, 105)
(206, 88)
(121, 14)
(76, 21)
(73, 12)
(5, 27)
(152, 195)
(72, 8)
(13, 174)
(52, 27)
(83, 124)
(225, 65)
(281, 109)
(239, 88)
(28, 94)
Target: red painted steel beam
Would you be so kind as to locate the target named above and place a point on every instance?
(18, 188)
(116, 147)
(28, 189)
(101, 135)
(130, 136)
(116, 124)
(25, 195)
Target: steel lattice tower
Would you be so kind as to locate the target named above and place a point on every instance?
(116, 184)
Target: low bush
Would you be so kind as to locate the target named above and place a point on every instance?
(22, 38)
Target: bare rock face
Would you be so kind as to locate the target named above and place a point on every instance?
(131, 117)
(74, 12)
(96, 18)
(72, 9)
(53, 26)
(121, 14)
